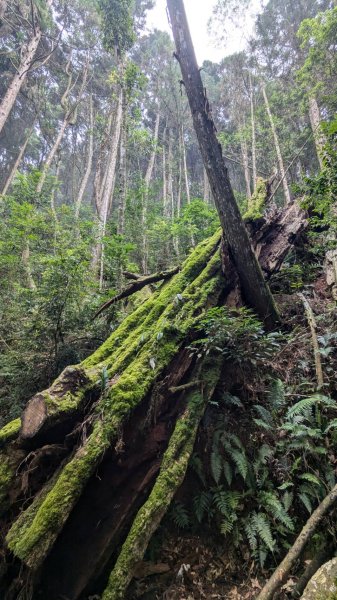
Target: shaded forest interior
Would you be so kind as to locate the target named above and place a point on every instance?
(168, 264)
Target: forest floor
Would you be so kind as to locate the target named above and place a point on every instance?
(194, 569)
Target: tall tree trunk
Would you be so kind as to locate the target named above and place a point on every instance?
(187, 185)
(169, 207)
(122, 170)
(245, 162)
(147, 181)
(207, 194)
(255, 289)
(277, 148)
(52, 154)
(17, 162)
(105, 202)
(99, 180)
(28, 53)
(69, 117)
(315, 121)
(3, 8)
(164, 171)
(253, 126)
(90, 154)
(26, 265)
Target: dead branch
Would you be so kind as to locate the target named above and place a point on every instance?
(280, 575)
(137, 285)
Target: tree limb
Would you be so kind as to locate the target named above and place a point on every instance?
(137, 285)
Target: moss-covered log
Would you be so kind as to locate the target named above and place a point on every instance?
(172, 473)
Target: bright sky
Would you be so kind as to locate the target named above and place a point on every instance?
(198, 13)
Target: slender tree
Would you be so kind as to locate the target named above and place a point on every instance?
(277, 148)
(27, 56)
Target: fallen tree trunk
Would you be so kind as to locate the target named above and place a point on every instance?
(88, 453)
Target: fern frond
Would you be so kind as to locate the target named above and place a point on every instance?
(288, 498)
(311, 478)
(251, 533)
(306, 404)
(264, 414)
(227, 525)
(197, 465)
(263, 424)
(306, 501)
(271, 503)
(241, 463)
(232, 400)
(261, 523)
(228, 473)
(332, 425)
(276, 396)
(180, 516)
(216, 466)
(201, 504)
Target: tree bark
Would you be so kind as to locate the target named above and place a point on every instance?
(122, 170)
(277, 148)
(245, 162)
(26, 264)
(69, 115)
(315, 121)
(253, 126)
(28, 53)
(90, 154)
(3, 8)
(147, 181)
(255, 289)
(17, 162)
(104, 197)
(187, 185)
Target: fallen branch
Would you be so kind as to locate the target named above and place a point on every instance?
(319, 559)
(137, 285)
(282, 572)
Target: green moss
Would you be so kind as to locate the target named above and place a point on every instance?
(171, 476)
(9, 431)
(131, 328)
(163, 339)
(257, 201)
(6, 476)
(58, 400)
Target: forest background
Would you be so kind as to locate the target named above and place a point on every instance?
(100, 169)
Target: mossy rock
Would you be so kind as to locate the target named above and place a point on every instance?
(323, 585)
